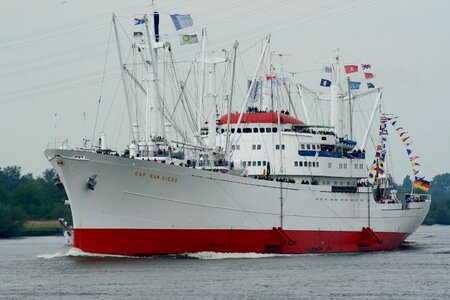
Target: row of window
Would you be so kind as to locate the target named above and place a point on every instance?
(306, 164)
(336, 199)
(344, 166)
(254, 130)
(257, 147)
(254, 163)
(309, 147)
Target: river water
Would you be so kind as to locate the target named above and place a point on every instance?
(45, 268)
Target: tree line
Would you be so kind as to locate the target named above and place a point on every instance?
(25, 198)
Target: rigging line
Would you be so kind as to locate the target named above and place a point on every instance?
(181, 88)
(112, 103)
(284, 21)
(50, 38)
(330, 15)
(101, 85)
(69, 24)
(51, 91)
(52, 55)
(35, 88)
(48, 66)
(296, 25)
(254, 11)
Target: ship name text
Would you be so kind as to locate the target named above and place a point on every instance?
(156, 176)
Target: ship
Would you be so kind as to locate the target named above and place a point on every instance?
(256, 180)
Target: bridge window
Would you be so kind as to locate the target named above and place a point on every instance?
(309, 164)
(258, 147)
(253, 147)
(264, 162)
(340, 166)
(361, 166)
(222, 130)
(254, 163)
(329, 165)
(317, 164)
(295, 163)
(261, 130)
(302, 146)
(356, 166)
(232, 130)
(314, 164)
(300, 163)
(239, 130)
(268, 130)
(249, 163)
(255, 129)
(314, 147)
(259, 163)
(274, 129)
(246, 130)
(308, 146)
(345, 166)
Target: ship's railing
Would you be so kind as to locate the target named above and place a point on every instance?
(417, 198)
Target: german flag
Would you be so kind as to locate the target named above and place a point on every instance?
(422, 184)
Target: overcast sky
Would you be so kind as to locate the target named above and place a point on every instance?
(52, 55)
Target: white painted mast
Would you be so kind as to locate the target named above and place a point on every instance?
(202, 86)
(122, 74)
(156, 127)
(212, 96)
(337, 103)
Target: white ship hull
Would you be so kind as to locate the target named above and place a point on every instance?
(142, 208)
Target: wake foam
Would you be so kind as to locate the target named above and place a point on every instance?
(75, 252)
(228, 255)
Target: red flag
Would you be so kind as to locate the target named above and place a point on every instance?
(368, 75)
(351, 68)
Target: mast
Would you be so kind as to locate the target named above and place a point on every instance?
(302, 99)
(267, 41)
(122, 75)
(153, 96)
(350, 116)
(201, 83)
(230, 101)
(337, 105)
(212, 96)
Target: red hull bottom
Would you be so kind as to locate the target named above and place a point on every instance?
(141, 242)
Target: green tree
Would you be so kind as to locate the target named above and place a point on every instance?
(11, 220)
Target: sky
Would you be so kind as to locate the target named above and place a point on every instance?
(53, 53)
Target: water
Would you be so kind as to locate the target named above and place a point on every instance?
(45, 268)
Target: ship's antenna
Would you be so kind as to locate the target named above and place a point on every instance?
(56, 119)
(85, 140)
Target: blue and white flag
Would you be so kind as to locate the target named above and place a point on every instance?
(138, 21)
(327, 69)
(354, 85)
(370, 85)
(181, 21)
(324, 82)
